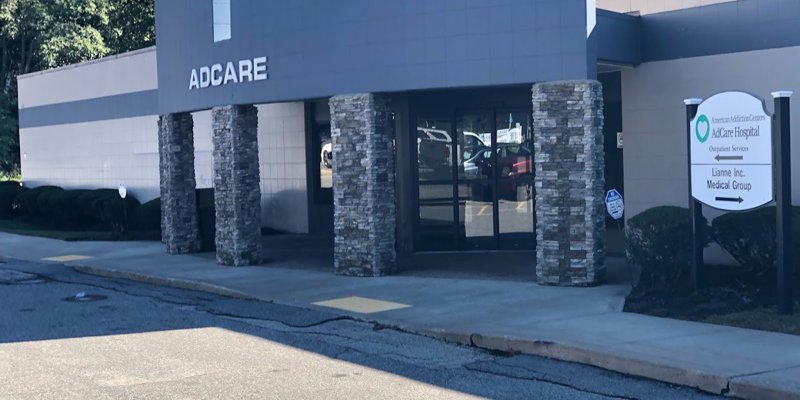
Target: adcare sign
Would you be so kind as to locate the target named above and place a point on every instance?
(731, 152)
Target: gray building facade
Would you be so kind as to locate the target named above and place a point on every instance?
(407, 127)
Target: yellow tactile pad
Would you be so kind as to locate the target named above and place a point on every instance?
(361, 305)
(69, 257)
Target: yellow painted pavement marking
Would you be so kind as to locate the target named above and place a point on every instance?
(361, 305)
(69, 257)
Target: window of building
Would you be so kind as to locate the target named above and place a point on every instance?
(222, 20)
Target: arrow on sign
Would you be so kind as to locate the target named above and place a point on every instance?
(731, 199)
(726, 158)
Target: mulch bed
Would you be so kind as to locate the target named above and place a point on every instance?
(733, 297)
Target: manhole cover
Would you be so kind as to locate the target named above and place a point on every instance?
(12, 277)
(84, 297)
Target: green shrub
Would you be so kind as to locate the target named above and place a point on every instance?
(63, 209)
(117, 214)
(7, 195)
(659, 240)
(148, 216)
(26, 201)
(4, 184)
(44, 207)
(749, 237)
(87, 204)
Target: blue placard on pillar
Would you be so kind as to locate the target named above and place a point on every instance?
(614, 204)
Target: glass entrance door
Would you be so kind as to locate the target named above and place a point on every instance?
(515, 200)
(436, 226)
(475, 181)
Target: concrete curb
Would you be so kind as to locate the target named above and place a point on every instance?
(712, 383)
(627, 365)
(747, 390)
(162, 281)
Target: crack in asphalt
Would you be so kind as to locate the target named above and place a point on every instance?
(347, 350)
(206, 305)
(377, 353)
(113, 287)
(243, 317)
(193, 302)
(469, 367)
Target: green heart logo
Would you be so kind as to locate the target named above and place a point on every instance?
(702, 128)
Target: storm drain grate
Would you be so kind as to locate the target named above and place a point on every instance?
(82, 297)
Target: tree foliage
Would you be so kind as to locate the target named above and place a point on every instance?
(9, 135)
(42, 34)
(131, 25)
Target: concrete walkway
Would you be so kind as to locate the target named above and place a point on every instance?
(585, 325)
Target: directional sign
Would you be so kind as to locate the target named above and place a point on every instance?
(614, 204)
(731, 152)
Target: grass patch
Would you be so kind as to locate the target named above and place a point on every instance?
(29, 229)
(765, 319)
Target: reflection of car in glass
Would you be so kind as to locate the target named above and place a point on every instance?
(507, 155)
(433, 146)
(522, 175)
(326, 155)
(469, 145)
(433, 153)
(514, 162)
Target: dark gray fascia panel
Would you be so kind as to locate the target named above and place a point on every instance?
(319, 48)
(743, 25)
(618, 38)
(127, 105)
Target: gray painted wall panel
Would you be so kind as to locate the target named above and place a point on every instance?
(104, 153)
(650, 6)
(126, 105)
(319, 48)
(618, 38)
(738, 26)
(654, 116)
(130, 72)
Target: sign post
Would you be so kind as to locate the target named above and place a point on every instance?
(123, 192)
(730, 137)
(695, 208)
(616, 208)
(783, 197)
(730, 160)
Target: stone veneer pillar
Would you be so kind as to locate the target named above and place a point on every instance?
(569, 158)
(179, 229)
(363, 185)
(237, 194)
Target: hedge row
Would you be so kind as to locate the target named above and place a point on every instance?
(750, 237)
(80, 208)
(659, 241)
(8, 191)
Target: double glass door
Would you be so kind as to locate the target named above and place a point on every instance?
(475, 181)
